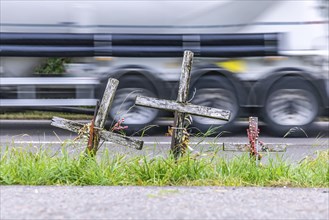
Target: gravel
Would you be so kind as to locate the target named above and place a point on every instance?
(133, 202)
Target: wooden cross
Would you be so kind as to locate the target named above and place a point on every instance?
(254, 147)
(95, 130)
(181, 107)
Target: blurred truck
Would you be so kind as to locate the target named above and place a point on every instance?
(263, 58)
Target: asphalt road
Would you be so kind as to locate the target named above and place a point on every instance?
(41, 130)
(40, 133)
(44, 202)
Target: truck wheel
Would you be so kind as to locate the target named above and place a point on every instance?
(216, 92)
(290, 104)
(123, 106)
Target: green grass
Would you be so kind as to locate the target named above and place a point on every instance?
(19, 166)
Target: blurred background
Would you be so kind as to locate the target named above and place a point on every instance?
(255, 58)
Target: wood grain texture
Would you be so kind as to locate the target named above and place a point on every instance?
(106, 102)
(102, 113)
(185, 77)
(183, 107)
(242, 147)
(105, 135)
(183, 90)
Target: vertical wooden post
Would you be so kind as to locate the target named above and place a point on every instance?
(106, 102)
(90, 144)
(102, 113)
(253, 133)
(177, 136)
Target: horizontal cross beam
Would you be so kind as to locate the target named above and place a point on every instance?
(241, 147)
(183, 107)
(105, 135)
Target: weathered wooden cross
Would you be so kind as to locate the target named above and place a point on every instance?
(181, 107)
(95, 130)
(254, 147)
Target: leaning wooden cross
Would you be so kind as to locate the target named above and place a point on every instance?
(95, 130)
(181, 107)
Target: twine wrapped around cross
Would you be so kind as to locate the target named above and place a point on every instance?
(181, 107)
(96, 131)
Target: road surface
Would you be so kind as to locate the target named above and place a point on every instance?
(58, 202)
(40, 133)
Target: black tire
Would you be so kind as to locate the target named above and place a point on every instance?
(123, 106)
(291, 106)
(217, 92)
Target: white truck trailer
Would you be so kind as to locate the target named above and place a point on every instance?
(265, 58)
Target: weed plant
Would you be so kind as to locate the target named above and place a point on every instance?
(53, 65)
(21, 166)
